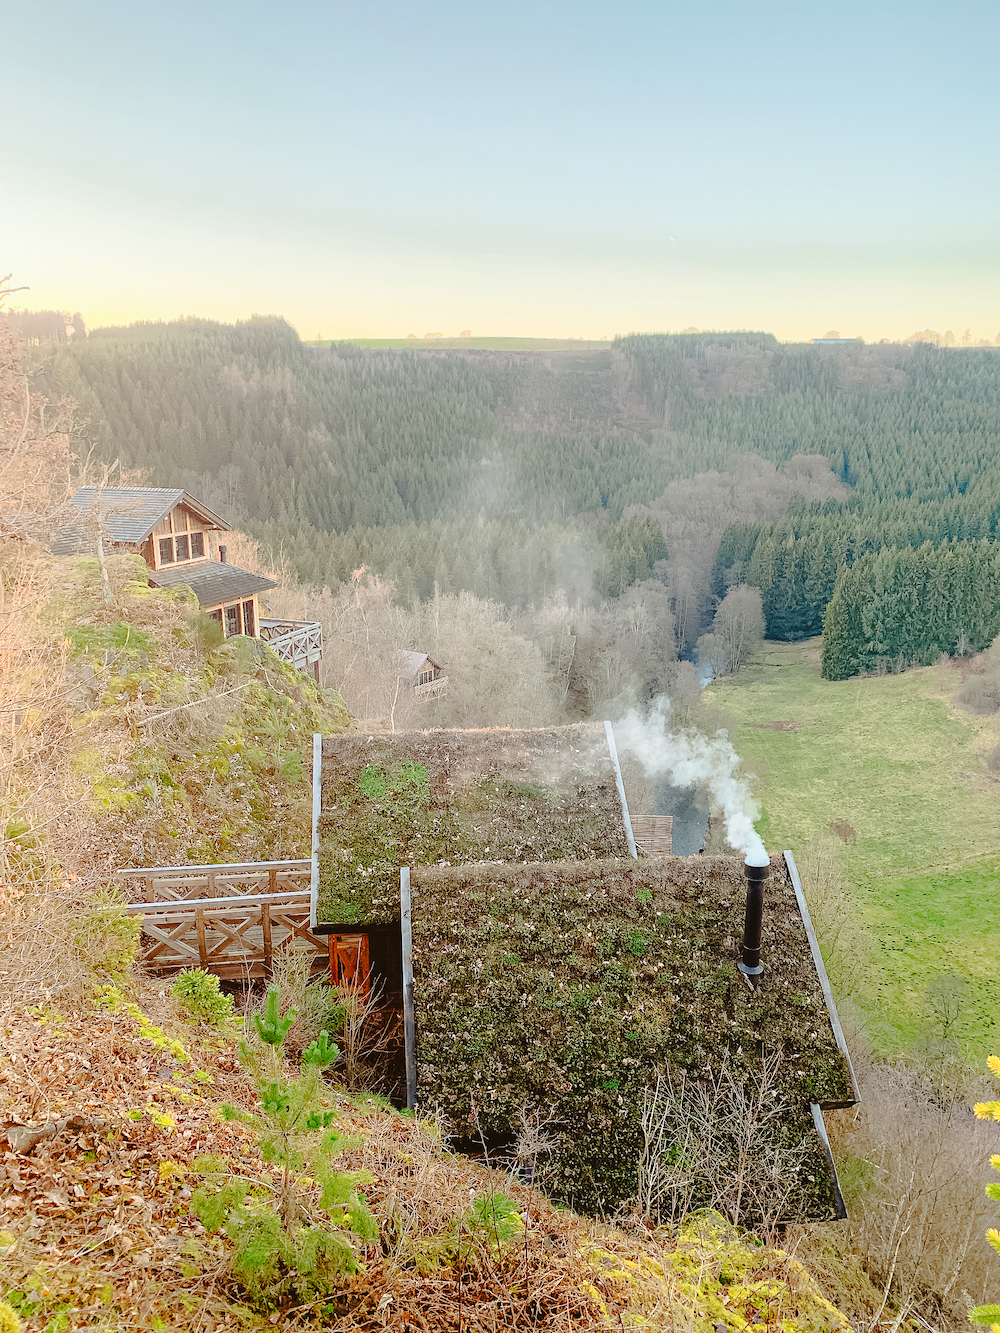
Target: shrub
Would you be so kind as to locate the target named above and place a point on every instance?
(981, 695)
(106, 938)
(318, 1006)
(198, 992)
(912, 1171)
(990, 1314)
(9, 1322)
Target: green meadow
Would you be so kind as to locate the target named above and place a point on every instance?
(892, 758)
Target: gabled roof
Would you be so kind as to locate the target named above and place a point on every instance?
(410, 663)
(211, 581)
(132, 512)
(569, 989)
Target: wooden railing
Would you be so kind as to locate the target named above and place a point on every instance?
(231, 937)
(432, 689)
(180, 883)
(297, 641)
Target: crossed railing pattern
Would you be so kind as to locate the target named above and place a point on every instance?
(297, 641)
(228, 919)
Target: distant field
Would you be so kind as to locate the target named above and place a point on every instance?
(890, 756)
(484, 344)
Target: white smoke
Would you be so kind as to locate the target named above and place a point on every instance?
(686, 759)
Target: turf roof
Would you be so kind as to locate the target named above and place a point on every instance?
(559, 990)
(454, 797)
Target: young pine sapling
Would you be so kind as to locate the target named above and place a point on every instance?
(292, 1226)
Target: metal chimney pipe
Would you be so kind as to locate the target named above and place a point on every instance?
(757, 864)
(222, 554)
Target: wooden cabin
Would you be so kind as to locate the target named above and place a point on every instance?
(180, 540)
(424, 674)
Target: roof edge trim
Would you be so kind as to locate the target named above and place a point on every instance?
(824, 981)
(838, 1198)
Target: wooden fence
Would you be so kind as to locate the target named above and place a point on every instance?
(180, 883)
(234, 937)
(653, 834)
(228, 919)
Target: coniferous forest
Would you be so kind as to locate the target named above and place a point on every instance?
(854, 486)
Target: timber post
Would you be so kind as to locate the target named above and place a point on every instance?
(265, 925)
(409, 1024)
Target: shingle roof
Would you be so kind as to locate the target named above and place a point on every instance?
(132, 512)
(211, 581)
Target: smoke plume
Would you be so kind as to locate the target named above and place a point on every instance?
(686, 760)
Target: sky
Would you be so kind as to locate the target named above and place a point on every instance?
(553, 170)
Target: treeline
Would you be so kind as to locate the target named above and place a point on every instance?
(342, 439)
(46, 326)
(897, 608)
(921, 453)
(511, 561)
(893, 421)
(507, 475)
(795, 561)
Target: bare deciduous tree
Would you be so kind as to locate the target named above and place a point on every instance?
(737, 631)
(721, 1143)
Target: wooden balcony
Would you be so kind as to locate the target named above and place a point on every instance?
(299, 642)
(226, 918)
(232, 937)
(432, 689)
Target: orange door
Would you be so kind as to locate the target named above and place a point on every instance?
(349, 960)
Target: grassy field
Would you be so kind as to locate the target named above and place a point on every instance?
(891, 757)
(482, 344)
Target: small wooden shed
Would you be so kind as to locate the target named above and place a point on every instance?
(425, 676)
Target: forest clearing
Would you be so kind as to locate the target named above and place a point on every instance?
(903, 770)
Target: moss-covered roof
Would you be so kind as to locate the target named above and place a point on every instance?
(453, 797)
(559, 991)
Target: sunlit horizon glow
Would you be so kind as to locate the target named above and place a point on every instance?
(554, 171)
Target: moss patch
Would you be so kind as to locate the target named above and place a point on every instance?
(561, 990)
(183, 749)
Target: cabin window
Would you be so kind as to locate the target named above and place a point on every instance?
(249, 628)
(166, 550)
(425, 677)
(216, 616)
(181, 546)
(197, 545)
(232, 620)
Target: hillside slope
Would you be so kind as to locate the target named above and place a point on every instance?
(137, 737)
(100, 1233)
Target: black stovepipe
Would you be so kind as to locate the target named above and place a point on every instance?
(750, 965)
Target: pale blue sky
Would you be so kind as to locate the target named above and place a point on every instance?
(548, 169)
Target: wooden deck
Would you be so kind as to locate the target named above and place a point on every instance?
(227, 919)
